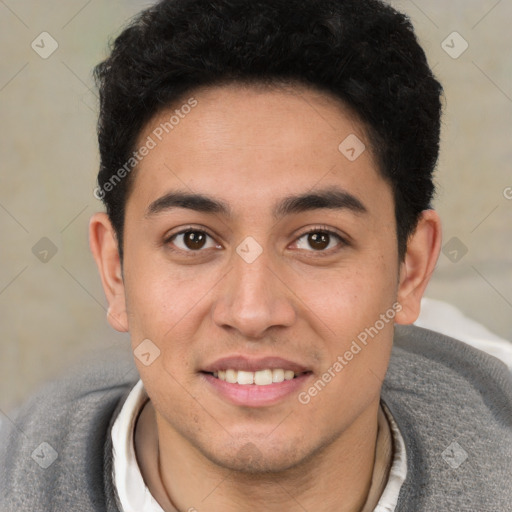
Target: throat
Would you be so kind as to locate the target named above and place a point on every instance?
(147, 453)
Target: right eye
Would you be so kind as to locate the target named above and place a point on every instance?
(191, 240)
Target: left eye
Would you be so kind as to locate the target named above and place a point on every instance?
(318, 240)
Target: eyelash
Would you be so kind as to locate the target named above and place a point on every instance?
(342, 241)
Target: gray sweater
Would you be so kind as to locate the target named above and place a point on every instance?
(452, 403)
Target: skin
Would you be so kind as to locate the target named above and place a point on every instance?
(251, 147)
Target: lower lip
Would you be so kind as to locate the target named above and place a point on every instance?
(252, 395)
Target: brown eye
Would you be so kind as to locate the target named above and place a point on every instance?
(191, 240)
(194, 239)
(319, 240)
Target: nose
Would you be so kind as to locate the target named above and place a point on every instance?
(253, 298)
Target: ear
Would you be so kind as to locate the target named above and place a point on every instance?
(420, 260)
(104, 247)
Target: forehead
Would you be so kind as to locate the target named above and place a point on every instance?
(257, 116)
(256, 141)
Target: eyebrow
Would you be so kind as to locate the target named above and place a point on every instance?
(333, 198)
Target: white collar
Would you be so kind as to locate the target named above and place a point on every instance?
(134, 495)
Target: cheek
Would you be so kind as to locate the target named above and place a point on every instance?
(356, 313)
(171, 393)
(351, 297)
(160, 296)
(168, 311)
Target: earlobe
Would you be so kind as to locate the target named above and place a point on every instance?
(420, 260)
(103, 244)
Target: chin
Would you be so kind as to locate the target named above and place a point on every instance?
(256, 458)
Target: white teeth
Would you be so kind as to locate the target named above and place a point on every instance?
(277, 375)
(231, 376)
(263, 377)
(245, 377)
(288, 375)
(259, 378)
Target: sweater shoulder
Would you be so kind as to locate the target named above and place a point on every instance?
(453, 406)
(420, 353)
(52, 451)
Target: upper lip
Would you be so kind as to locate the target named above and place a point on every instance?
(247, 364)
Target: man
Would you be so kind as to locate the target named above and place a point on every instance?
(266, 168)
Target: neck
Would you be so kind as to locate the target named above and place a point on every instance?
(337, 477)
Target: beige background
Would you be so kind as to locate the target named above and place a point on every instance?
(53, 314)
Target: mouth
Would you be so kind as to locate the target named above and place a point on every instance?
(247, 382)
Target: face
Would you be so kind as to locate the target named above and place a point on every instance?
(254, 243)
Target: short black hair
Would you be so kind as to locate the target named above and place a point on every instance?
(363, 52)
